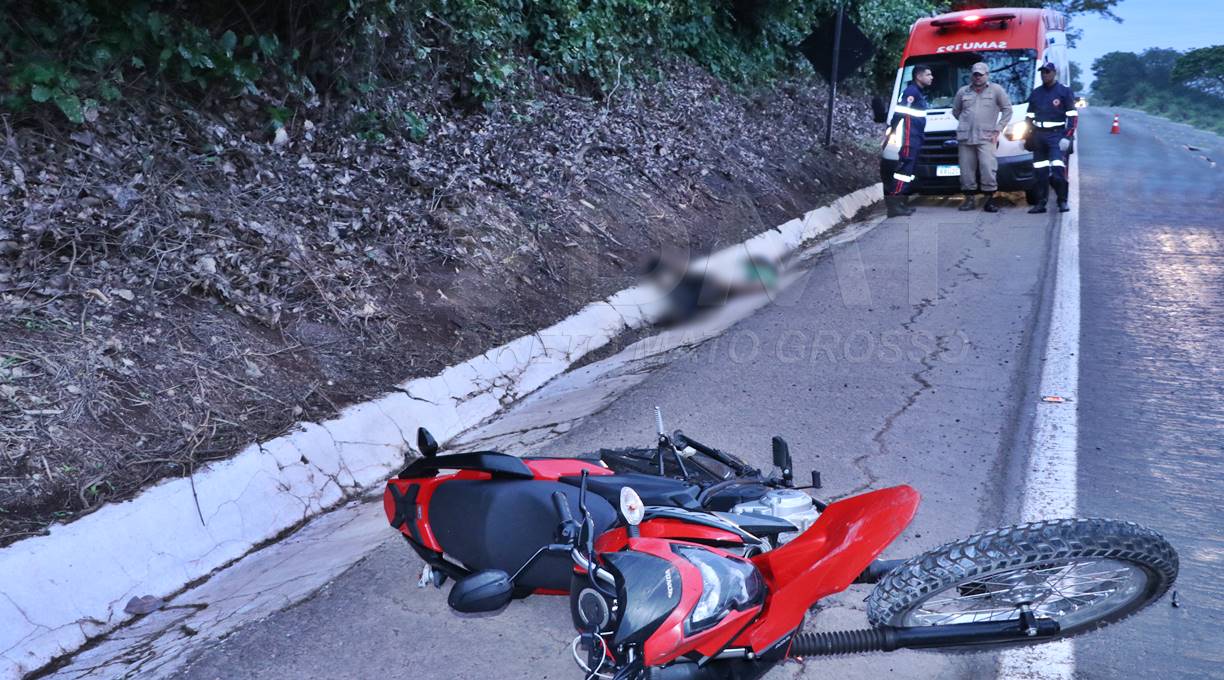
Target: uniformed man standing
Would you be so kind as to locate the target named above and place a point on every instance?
(1052, 113)
(982, 110)
(909, 124)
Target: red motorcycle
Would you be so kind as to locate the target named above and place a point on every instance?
(687, 594)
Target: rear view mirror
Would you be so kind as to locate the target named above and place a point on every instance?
(879, 110)
(483, 591)
(782, 459)
(426, 444)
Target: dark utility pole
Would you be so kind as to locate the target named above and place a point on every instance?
(837, 30)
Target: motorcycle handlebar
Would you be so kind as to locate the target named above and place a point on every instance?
(682, 440)
(561, 503)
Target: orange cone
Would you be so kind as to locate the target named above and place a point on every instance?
(1116, 129)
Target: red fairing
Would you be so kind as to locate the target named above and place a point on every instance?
(826, 558)
(669, 642)
(1026, 31)
(615, 539)
(424, 494)
(554, 468)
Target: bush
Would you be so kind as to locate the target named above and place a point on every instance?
(73, 54)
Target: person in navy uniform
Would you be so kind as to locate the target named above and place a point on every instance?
(910, 114)
(1052, 113)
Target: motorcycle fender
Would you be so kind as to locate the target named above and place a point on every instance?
(827, 557)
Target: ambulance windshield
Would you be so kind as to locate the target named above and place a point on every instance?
(1015, 70)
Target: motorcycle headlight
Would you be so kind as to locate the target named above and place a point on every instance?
(1018, 130)
(727, 584)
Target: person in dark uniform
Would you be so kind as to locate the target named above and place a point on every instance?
(1052, 113)
(909, 124)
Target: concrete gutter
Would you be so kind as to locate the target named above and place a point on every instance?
(61, 590)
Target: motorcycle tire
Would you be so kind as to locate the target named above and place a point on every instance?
(1111, 569)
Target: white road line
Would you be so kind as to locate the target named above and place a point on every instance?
(1050, 485)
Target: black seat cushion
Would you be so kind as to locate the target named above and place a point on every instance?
(500, 524)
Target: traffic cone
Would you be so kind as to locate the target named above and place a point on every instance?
(1116, 129)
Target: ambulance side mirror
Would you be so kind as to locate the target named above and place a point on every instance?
(879, 109)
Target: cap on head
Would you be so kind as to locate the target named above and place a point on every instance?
(1049, 66)
(981, 67)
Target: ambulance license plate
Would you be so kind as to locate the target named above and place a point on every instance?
(947, 171)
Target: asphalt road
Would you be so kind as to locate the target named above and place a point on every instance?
(1152, 376)
(908, 356)
(899, 358)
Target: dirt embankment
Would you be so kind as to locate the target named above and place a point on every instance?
(175, 285)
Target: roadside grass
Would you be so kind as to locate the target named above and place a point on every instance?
(1199, 110)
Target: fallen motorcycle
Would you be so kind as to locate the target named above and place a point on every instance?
(495, 511)
(667, 593)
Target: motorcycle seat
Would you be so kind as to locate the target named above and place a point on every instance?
(500, 524)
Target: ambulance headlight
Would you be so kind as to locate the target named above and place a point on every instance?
(1018, 130)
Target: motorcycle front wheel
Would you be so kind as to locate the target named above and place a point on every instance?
(1083, 573)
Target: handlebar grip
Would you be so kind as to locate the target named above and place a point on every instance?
(561, 503)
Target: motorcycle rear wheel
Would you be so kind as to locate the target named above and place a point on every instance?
(1083, 573)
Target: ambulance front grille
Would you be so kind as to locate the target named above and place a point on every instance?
(936, 150)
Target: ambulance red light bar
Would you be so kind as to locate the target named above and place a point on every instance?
(972, 20)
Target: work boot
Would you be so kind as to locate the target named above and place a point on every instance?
(896, 208)
(1060, 190)
(1043, 194)
(990, 207)
(970, 203)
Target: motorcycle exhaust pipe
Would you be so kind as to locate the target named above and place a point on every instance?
(877, 570)
(685, 670)
(888, 638)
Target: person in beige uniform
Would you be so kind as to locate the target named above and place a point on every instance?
(982, 111)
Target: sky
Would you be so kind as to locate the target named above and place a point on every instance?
(1179, 24)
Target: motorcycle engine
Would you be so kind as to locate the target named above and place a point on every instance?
(793, 506)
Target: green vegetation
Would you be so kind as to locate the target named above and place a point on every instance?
(1183, 87)
(77, 55)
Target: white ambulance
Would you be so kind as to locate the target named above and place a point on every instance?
(1013, 43)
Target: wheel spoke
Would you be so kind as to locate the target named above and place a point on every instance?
(1056, 591)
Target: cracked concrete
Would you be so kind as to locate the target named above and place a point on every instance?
(183, 530)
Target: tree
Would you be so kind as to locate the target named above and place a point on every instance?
(1068, 7)
(1158, 66)
(1116, 75)
(1076, 85)
(1202, 69)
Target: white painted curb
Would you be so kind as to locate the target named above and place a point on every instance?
(59, 590)
(1052, 478)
